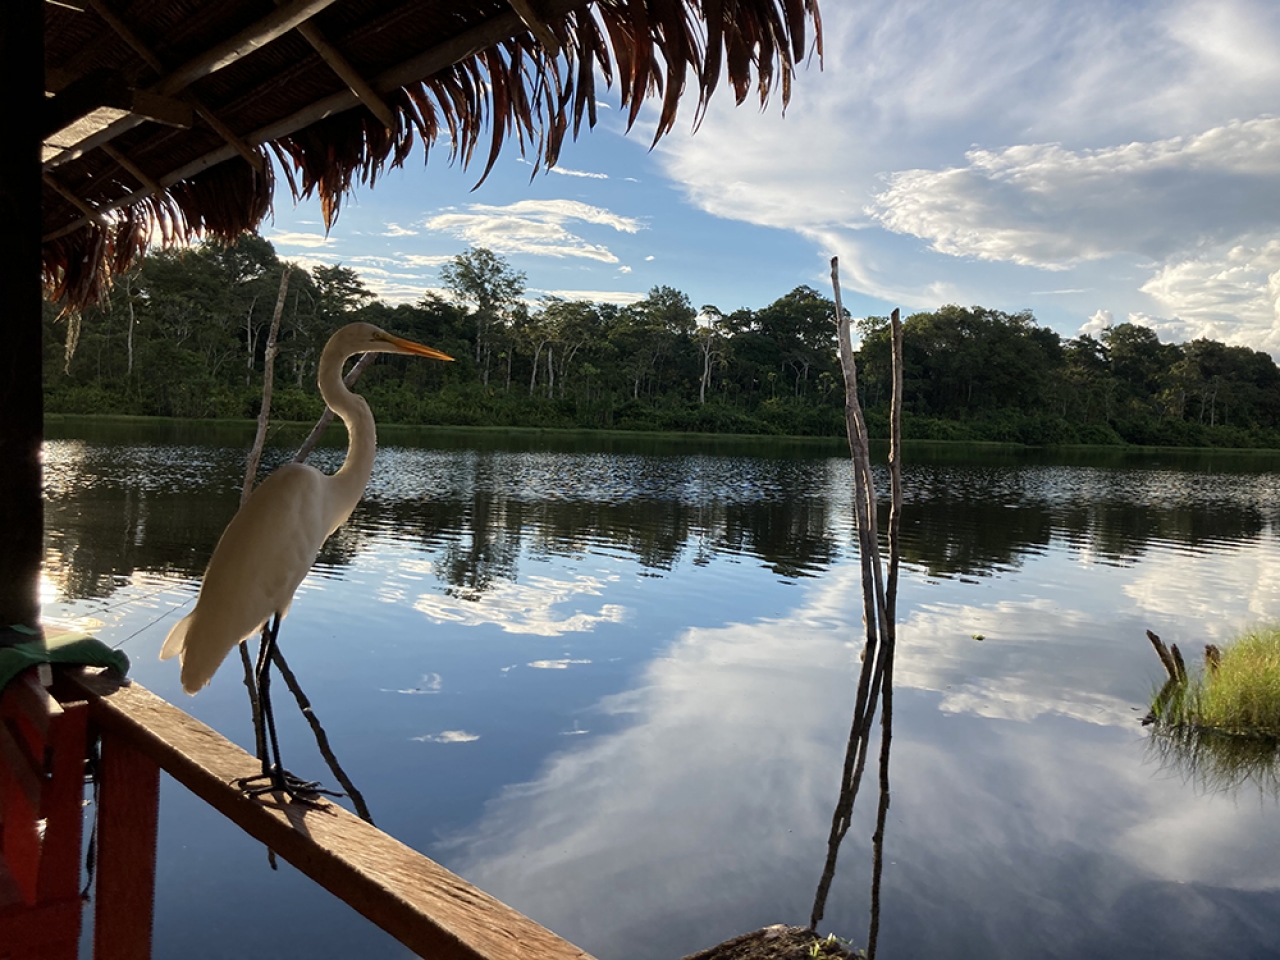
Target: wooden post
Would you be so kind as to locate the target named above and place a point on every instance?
(21, 403)
(128, 812)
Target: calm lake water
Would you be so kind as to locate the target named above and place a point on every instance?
(610, 682)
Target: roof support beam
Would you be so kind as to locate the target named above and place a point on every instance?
(274, 25)
(134, 170)
(75, 201)
(350, 76)
(502, 27)
(107, 88)
(125, 32)
(534, 21)
(21, 397)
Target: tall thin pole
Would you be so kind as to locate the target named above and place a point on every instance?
(21, 401)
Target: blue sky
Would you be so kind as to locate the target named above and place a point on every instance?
(1092, 161)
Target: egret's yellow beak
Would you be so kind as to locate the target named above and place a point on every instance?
(417, 349)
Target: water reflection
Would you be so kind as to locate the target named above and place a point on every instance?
(612, 688)
(118, 510)
(1218, 762)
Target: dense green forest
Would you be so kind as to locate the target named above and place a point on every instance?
(184, 336)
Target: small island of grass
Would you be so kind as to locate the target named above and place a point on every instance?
(1238, 692)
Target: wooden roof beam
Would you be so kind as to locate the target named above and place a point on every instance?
(89, 211)
(466, 44)
(134, 170)
(125, 32)
(537, 25)
(350, 76)
(252, 38)
(107, 89)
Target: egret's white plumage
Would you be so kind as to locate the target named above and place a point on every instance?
(274, 538)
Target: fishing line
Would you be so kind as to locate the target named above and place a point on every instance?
(147, 626)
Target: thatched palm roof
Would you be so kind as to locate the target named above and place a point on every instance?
(164, 112)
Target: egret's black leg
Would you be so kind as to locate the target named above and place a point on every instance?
(273, 771)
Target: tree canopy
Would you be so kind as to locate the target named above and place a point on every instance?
(181, 335)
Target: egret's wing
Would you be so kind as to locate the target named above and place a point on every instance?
(263, 555)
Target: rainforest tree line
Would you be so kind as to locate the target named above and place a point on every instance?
(184, 335)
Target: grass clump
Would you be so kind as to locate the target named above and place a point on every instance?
(1222, 727)
(1237, 694)
(1242, 695)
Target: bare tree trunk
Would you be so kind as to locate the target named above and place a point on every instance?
(264, 413)
(533, 374)
(128, 299)
(879, 603)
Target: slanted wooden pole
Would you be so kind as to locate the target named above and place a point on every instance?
(21, 403)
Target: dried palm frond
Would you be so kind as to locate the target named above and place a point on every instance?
(511, 88)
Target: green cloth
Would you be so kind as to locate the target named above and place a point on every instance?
(73, 647)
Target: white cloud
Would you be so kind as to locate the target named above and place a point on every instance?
(448, 736)
(1107, 140)
(565, 171)
(422, 260)
(1100, 321)
(534, 227)
(395, 230)
(1226, 294)
(562, 664)
(1046, 206)
(284, 238)
(624, 269)
(620, 297)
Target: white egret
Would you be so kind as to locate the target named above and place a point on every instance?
(274, 538)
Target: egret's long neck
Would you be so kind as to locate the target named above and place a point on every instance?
(349, 482)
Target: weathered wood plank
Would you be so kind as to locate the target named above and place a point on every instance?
(128, 813)
(430, 910)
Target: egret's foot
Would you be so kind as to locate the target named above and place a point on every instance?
(276, 780)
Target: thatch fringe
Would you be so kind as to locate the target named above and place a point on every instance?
(650, 48)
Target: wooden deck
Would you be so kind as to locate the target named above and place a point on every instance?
(431, 911)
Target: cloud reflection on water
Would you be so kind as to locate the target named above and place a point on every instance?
(1026, 819)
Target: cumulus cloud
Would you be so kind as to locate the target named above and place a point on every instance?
(1228, 294)
(537, 227)
(1097, 323)
(293, 238)
(395, 230)
(1045, 206)
(1106, 140)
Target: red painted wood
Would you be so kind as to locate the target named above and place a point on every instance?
(46, 932)
(19, 841)
(128, 811)
(64, 806)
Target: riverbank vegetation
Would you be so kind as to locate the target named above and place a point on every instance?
(183, 336)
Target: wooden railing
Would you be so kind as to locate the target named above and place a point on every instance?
(430, 910)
